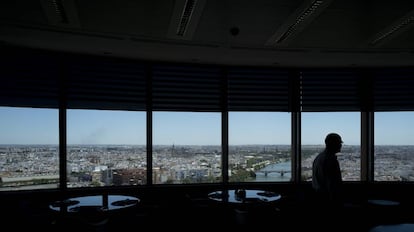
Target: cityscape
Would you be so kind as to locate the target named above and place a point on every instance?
(37, 166)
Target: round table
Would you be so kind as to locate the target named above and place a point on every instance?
(101, 202)
(250, 196)
(247, 200)
(92, 210)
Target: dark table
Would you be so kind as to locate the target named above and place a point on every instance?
(250, 196)
(247, 203)
(101, 202)
(91, 211)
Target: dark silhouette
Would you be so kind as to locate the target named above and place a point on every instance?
(326, 173)
(327, 186)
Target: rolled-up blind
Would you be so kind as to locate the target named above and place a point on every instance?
(257, 89)
(29, 79)
(393, 90)
(326, 90)
(41, 79)
(186, 88)
(105, 84)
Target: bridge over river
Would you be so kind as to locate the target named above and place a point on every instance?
(266, 172)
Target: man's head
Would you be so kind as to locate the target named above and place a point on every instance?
(333, 142)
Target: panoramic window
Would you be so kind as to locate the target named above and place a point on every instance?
(259, 146)
(106, 148)
(29, 151)
(394, 146)
(315, 127)
(186, 147)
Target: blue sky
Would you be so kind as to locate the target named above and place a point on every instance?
(40, 126)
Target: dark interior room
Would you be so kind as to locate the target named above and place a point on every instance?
(206, 113)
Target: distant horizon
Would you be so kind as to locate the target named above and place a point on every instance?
(203, 145)
(41, 126)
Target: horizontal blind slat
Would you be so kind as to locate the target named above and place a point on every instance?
(29, 80)
(393, 90)
(186, 88)
(106, 84)
(329, 91)
(252, 89)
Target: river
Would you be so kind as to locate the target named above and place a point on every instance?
(274, 172)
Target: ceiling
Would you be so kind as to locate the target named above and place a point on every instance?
(276, 33)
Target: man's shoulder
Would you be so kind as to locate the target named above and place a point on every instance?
(321, 155)
(319, 159)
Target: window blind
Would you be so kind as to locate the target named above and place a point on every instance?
(42, 79)
(105, 84)
(322, 91)
(257, 89)
(186, 88)
(393, 90)
(29, 80)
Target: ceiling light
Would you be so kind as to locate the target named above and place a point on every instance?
(184, 19)
(186, 16)
(395, 28)
(58, 5)
(61, 13)
(308, 12)
(297, 22)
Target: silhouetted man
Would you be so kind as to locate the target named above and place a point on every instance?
(326, 173)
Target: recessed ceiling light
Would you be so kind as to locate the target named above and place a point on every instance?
(394, 29)
(185, 18)
(298, 20)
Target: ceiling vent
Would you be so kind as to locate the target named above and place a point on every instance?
(61, 13)
(397, 28)
(297, 22)
(185, 18)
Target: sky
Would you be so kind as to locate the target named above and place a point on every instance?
(40, 126)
